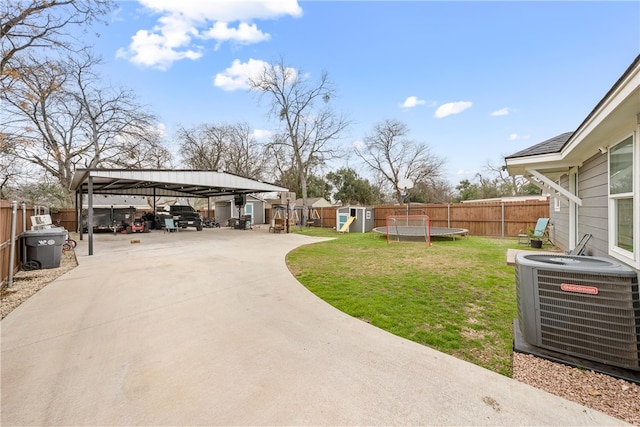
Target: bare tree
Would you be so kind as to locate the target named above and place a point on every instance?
(390, 154)
(309, 125)
(146, 152)
(26, 25)
(59, 116)
(230, 147)
(510, 185)
(109, 114)
(244, 156)
(202, 147)
(10, 169)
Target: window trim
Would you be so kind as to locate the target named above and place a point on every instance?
(632, 258)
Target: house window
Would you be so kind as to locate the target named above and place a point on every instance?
(623, 215)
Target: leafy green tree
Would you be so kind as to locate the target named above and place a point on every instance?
(351, 189)
(438, 191)
(48, 193)
(316, 186)
(495, 183)
(466, 191)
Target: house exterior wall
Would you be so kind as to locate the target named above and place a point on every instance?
(593, 214)
(223, 212)
(559, 220)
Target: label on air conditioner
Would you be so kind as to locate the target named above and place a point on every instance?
(580, 289)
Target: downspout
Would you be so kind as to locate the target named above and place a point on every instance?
(24, 227)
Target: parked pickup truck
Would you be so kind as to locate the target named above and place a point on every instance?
(185, 216)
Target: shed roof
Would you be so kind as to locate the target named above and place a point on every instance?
(314, 202)
(166, 182)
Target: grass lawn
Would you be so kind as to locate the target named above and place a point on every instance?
(456, 296)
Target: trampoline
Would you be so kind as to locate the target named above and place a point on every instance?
(415, 231)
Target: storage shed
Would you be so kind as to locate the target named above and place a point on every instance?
(362, 222)
(226, 209)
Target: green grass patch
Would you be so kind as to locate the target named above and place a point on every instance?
(457, 296)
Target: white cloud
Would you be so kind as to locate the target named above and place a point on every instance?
(358, 144)
(412, 101)
(237, 75)
(516, 137)
(469, 172)
(225, 10)
(452, 108)
(502, 112)
(182, 23)
(244, 34)
(162, 129)
(155, 50)
(262, 134)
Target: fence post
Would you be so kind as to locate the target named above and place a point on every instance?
(502, 219)
(12, 249)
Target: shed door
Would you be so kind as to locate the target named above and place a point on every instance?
(342, 218)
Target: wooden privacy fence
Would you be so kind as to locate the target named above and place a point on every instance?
(6, 210)
(65, 218)
(494, 219)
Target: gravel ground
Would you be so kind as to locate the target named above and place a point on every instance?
(618, 398)
(27, 283)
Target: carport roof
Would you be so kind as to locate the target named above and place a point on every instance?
(167, 182)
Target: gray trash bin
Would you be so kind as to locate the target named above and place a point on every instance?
(45, 246)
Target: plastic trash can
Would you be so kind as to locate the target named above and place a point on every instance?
(45, 246)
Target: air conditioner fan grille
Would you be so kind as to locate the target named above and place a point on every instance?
(604, 327)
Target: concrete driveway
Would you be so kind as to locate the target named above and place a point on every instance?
(210, 328)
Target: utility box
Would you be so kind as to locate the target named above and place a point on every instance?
(45, 246)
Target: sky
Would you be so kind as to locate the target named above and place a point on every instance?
(474, 81)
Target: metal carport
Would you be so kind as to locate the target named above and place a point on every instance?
(159, 182)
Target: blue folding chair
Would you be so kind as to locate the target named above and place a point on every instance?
(538, 233)
(169, 225)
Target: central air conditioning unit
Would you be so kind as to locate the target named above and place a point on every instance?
(587, 307)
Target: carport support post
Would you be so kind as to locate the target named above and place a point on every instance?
(90, 213)
(287, 215)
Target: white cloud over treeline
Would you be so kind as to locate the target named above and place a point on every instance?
(184, 28)
(412, 101)
(452, 108)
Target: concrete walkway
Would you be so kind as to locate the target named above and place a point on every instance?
(210, 328)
